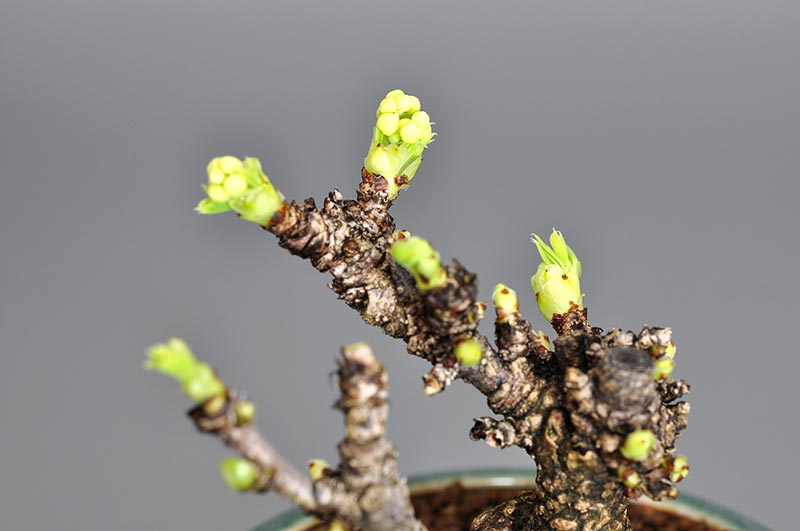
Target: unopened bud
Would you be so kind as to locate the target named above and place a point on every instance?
(638, 445)
(678, 467)
(556, 284)
(241, 186)
(318, 468)
(468, 351)
(245, 412)
(432, 385)
(401, 133)
(239, 473)
(505, 301)
(663, 368)
(629, 477)
(417, 256)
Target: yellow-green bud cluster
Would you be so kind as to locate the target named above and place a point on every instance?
(505, 302)
(241, 186)
(468, 351)
(196, 378)
(417, 256)
(402, 131)
(239, 473)
(638, 445)
(556, 284)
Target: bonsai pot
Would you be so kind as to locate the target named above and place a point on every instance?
(436, 496)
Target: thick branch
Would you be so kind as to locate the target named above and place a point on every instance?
(350, 239)
(368, 466)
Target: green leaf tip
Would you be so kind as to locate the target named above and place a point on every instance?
(239, 473)
(176, 360)
(417, 256)
(241, 186)
(556, 284)
(402, 132)
(638, 445)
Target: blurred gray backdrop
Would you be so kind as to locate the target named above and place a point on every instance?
(663, 138)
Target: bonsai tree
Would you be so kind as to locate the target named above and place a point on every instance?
(597, 411)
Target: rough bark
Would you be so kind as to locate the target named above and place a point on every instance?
(368, 461)
(366, 491)
(570, 409)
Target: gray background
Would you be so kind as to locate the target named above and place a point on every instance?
(662, 137)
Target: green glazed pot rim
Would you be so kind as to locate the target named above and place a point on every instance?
(688, 505)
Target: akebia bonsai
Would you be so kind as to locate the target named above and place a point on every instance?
(597, 411)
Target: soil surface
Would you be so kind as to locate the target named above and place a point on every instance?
(453, 508)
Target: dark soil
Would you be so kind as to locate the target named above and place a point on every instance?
(453, 508)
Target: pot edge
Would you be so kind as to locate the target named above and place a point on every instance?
(295, 520)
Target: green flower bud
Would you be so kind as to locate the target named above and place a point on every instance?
(241, 186)
(235, 185)
(505, 301)
(638, 445)
(421, 118)
(410, 133)
(318, 468)
(204, 384)
(629, 477)
(417, 256)
(216, 192)
(400, 135)
(468, 351)
(239, 473)
(216, 176)
(556, 284)
(175, 359)
(663, 368)
(259, 205)
(245, 412)
(229, 164)
(388, 123)
(388, 105)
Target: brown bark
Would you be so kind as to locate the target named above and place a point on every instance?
(570, 409)
(277, 474)
(368, 461)
(366, 491)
